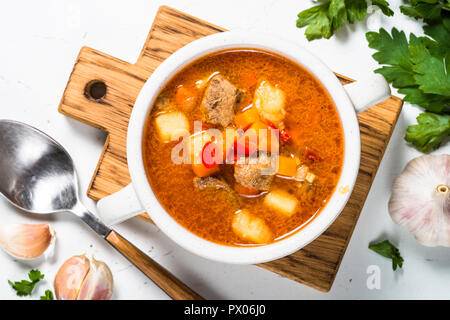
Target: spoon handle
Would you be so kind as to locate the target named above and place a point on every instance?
(163, 278)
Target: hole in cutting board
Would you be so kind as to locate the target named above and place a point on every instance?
(95, 89)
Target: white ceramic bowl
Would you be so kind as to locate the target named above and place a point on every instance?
(138, 196)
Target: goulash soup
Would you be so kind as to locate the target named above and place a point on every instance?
(243, 147)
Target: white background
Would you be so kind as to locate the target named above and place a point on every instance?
(39, 43)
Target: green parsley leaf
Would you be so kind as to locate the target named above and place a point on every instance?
(356, 10)
(440, 32)
(388, 250)
(393, 50)
(329, 16)
(420, 69)
(25, 287)
(430, 71)
(35, 275)
(425, 9)
(430, 131)
(384, 6)
(316, 18)
(430, 102)
(48, 295)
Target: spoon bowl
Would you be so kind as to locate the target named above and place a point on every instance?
(38, 176)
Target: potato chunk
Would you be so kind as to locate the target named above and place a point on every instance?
(172, 125)
(251, 228)
(269, 101)
(281, 201)
(310, 177)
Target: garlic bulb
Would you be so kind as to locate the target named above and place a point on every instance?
(26, 241)
(420, 199)
(81, 279)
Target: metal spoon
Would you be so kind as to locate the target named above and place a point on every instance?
(38, 176)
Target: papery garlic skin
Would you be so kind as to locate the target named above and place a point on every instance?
(420, 199)
(98, 284)
(81, 279)
(26, 241)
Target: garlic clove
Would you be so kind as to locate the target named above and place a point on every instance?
(420, 199)
(98, 284)
(81, 279)
(26, 241)
(70, 277)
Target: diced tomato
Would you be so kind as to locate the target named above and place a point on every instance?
(245, 145)
(285, 136)
(271, 125)
(209, 155)
(232, 156)
(312, 155)
(245, 191)
(186, 98)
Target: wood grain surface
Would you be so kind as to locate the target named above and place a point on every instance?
(160, 276)
(316, 264)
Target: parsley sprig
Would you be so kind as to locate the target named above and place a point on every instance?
(25, 287)
(324, 19)
(48, 295)
(420, 69)
(388, 250)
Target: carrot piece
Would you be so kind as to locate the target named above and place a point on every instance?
(287, 166)
(245, 191)
(197, 145)
(246, 118)
(186, 98)
(201, 171)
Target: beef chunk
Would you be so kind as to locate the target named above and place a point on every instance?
(212, 184)
(219, 101)
(250, 172)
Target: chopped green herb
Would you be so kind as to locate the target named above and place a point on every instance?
(25, 287)
(329, 16)
(48, 295)
(430, 131)
(388, 250)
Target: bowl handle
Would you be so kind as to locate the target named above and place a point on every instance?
(368, 92)
(119, 206)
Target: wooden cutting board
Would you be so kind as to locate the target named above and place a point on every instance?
(102, 90)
